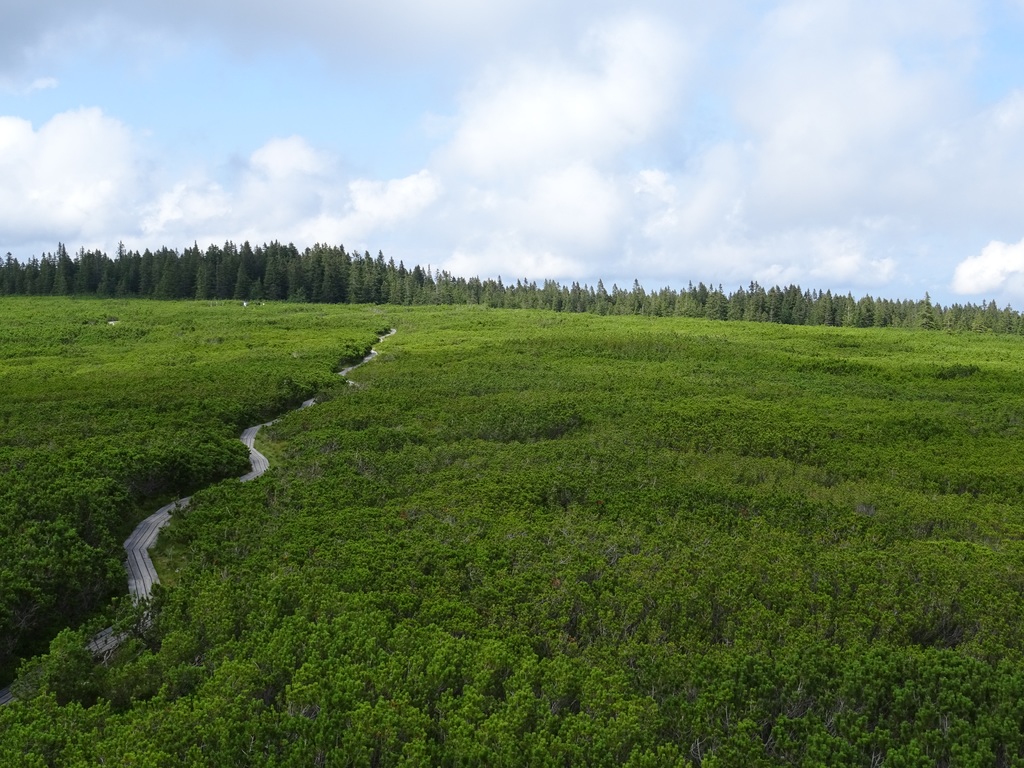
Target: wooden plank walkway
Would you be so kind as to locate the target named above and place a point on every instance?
(142, 574)
(104, 643)
(257, 460)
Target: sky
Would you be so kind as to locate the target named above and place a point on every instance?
(859, 146)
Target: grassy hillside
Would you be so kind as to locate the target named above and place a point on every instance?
(561, 539)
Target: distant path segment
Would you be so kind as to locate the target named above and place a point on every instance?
(141, 573)
(257, 460)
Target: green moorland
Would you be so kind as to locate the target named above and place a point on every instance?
(111, 408)
(550, 539)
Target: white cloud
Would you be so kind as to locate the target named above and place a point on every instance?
(998, 267)
(196, 205)
(285, 158)
(1007, 116)
(375, 206)
(703, 202)
(841, 257)
(505, 254)
(535, 170)
(835, 115)
(984, 174)
(42, 84)
(530, 117)
(278, 188)
(815, 257)
(75, 178)
(286, 190)
(19, 87)
(375, 203)
(575, 207)
(834, 156)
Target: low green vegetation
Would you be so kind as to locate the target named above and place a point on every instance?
(562, 539)
(110, 409)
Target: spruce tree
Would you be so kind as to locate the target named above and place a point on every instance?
(928, 321)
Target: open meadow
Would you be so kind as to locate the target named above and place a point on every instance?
(523, 538)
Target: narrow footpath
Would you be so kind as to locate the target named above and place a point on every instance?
(141, 573)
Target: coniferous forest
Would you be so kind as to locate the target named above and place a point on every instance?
(621, 533)
(332, 275)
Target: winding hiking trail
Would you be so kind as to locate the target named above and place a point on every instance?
(141, 573)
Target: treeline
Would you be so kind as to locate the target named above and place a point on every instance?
(330, 274)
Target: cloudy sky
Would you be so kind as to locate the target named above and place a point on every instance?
(856, 145)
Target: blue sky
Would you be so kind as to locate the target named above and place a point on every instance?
(865, 146)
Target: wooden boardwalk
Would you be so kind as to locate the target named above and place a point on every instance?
(257, 460)
(141, 573)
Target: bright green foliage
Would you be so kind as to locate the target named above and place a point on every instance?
(549, 539)
(109, 406)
